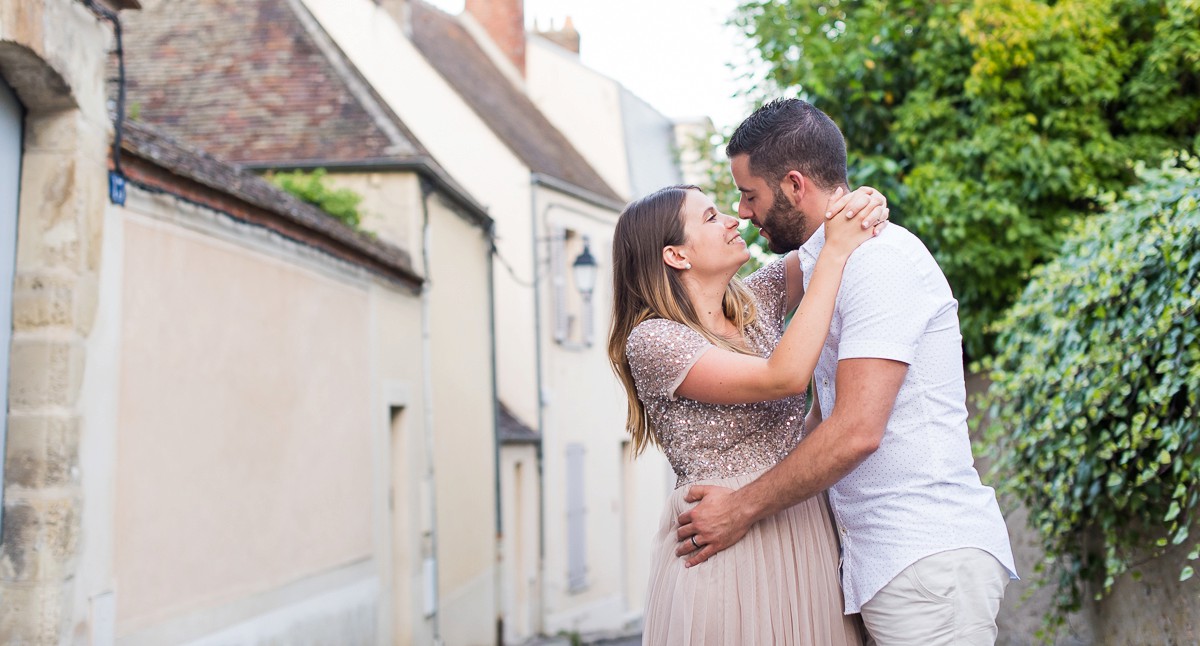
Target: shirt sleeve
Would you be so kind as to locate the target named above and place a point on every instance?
(884, 304)
(769, 286)
(660, 354)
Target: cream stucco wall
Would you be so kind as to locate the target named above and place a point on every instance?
(464, 426)
(521, 486)
(390, 207)
(328, 490)
(244, 423)
(583, 104)
(404, 521)
(462, 411)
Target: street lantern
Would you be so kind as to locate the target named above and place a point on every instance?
(584, 270)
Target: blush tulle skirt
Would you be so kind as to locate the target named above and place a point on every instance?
(779, 585)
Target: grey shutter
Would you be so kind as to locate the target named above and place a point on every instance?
(576, 520)
(558, 281)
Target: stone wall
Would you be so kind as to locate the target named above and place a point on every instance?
(52, 52)
(1153, 608)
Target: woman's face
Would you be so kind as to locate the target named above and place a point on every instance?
(712, 241)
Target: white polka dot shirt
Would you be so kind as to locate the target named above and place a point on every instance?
(919, 493)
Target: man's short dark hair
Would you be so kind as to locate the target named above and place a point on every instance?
(791, 134)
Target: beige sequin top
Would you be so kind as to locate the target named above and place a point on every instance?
(707, 441)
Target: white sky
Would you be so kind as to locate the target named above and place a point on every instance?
(674, 54)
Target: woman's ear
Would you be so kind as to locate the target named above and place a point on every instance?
(675, 257)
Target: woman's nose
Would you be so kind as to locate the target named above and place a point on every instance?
(730, 222)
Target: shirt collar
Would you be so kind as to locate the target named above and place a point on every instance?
(810, 250)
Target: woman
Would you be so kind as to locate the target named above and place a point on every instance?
(713, 379)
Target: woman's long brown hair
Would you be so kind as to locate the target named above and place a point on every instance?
(644, 287)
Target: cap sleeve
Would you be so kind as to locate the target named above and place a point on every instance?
(769, 286)
(660, 354)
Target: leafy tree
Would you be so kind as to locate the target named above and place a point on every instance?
(341, 203)
(1095, 395)
(990, 124)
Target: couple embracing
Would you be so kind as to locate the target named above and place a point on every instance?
(794, 524)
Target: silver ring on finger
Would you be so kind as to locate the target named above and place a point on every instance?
(698, 546)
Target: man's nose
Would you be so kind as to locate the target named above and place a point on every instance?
(742, 211)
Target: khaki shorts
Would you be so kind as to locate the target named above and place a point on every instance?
(946, 598)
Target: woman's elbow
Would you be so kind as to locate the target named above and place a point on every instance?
(788, 384)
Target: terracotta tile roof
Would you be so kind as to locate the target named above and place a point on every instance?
(200, 178)
(255, 82)
(506, 109)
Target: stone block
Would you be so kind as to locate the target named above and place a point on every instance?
(43, 451)
(57, 131)
(33, 613)
(87, 301)
(44, 373)
(40, 539)
(42, 300)
(48, 226)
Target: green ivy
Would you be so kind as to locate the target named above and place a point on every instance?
(341, 203)
(1095, 419)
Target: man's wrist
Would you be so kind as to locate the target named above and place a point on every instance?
(747, 509)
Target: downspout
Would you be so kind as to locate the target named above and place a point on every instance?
(541, 417)
(491, 278)
(427, 404)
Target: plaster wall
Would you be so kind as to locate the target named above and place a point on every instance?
(461, 380)
(520, 486)
(464, 426)
(244, 423)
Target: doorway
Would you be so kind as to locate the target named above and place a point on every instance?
(11, 130)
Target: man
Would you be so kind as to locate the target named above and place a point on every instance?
(925, 551)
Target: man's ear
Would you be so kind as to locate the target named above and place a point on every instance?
(675, 257)
(794, 185)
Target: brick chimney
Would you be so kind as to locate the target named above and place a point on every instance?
(566, 36)
(504, 21)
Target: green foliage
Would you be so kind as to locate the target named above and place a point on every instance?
(341, 203)
(989, 124)
(1095, 387)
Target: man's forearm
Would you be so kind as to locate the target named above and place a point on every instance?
(826, 455)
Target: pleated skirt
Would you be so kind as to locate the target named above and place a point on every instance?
(778, 585)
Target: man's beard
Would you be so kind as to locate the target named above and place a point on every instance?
(787, 228)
